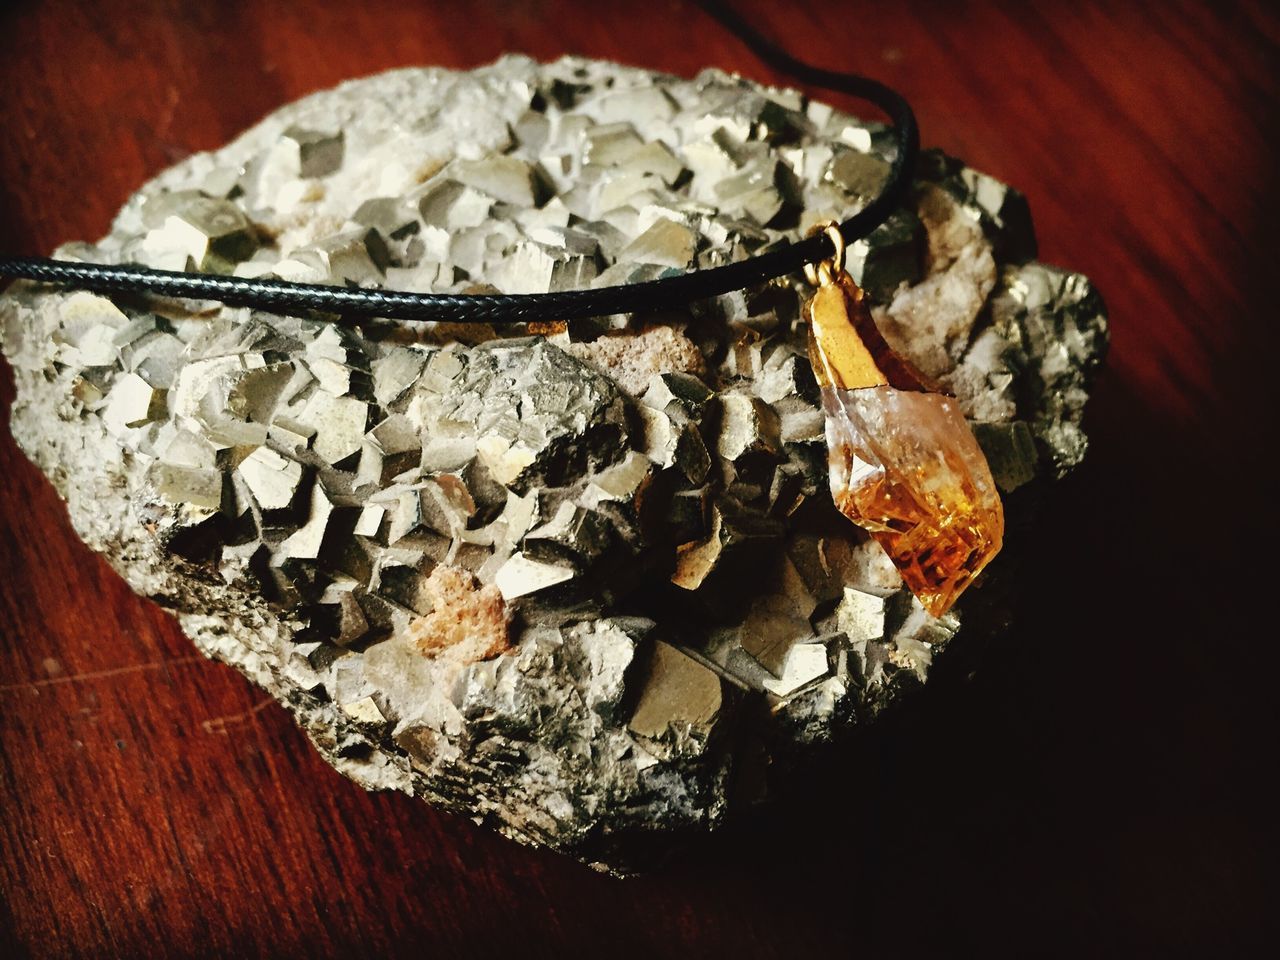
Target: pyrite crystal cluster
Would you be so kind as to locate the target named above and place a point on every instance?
(585, 585)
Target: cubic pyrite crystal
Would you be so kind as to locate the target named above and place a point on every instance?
(585, 585)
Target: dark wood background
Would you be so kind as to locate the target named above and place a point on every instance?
(1093, 787)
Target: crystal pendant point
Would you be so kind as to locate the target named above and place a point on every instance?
(906, 467)
(904, 464)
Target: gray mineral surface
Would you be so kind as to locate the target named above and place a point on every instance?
(586, 586)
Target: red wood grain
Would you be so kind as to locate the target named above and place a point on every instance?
(1091, 787)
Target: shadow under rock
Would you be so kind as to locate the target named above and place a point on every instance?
(1072, 768)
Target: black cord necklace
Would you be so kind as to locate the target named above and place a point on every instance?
(903, 463)
(280, 296)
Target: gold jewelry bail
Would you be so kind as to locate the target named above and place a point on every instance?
(827, 270)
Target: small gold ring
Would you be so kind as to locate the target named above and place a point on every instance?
(836, 260)
(837, 243)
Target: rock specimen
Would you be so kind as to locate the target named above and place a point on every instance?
(578, 584)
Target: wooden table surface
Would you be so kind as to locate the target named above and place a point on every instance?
(1093, 787)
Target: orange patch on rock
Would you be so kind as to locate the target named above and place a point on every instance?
(631, 359)
(468, 620)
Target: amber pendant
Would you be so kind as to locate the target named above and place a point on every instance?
(904, 464)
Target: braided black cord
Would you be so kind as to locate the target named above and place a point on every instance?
(284, 297)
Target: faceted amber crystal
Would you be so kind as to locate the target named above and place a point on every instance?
(904, 465)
